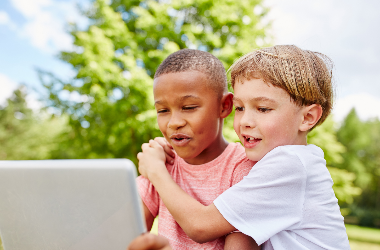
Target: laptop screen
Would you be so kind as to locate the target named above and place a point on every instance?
(69, 204)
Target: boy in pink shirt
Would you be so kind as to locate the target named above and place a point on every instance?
(191, 100)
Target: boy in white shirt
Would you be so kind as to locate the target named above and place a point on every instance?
(287, 200)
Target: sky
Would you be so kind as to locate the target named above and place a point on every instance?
(32, 32)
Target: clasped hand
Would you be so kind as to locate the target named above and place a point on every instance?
(153, 157)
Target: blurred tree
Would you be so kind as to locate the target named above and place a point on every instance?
(356, 138)
(324, 136)
(25, 135)
(362, 157)
(109, 102)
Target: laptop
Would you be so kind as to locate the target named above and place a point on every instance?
(69, 205)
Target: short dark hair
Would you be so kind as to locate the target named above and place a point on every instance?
(186, 60)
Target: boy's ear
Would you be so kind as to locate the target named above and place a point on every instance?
(226, 105)
(311, 115)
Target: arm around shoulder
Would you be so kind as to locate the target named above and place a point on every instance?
(205, 223)
(201, 223)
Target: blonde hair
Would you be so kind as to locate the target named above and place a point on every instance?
(304, 74)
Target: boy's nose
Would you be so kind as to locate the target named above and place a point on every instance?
(247, 120)
(176, 122)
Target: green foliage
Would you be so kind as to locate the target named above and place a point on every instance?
(344, 187)
(25, 135)
(362, 157)
(109, 102)
(324, 136)
(362, 142)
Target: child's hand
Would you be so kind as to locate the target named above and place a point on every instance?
(151, 159)
(149, 241)
(169, 152)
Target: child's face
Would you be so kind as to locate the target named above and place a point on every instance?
(265, 118)
(187, 114)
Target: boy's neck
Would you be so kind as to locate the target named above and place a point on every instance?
(302, 138)
(210, 153)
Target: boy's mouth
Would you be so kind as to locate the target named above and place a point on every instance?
(179, 140)
(250, 142)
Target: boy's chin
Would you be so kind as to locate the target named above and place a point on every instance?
(253, 156)
(184, 153)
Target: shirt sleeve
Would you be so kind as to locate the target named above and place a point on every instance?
(148, 195)
(269, 199)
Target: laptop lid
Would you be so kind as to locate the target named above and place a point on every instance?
(69, 204)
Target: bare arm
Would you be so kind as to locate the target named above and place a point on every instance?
(201, 223)
(240, 241)
(149, 219)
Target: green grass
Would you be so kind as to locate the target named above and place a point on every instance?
(363, 234)
(358, 245)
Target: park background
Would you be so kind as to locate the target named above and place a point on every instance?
(76, 78)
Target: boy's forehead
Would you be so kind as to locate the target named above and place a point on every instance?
(188, 83)
(257, 90)
(183, 98)
(179, 76)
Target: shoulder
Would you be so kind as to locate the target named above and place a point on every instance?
(237, 160)
(282, 155)
(293, 153)
(298, 156)
(238, 163)
(236, 154)
(288, 161)
(142, 181)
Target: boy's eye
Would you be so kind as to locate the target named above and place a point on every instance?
(239, 109)
(263, 110)
(162, 111)
(189, 107)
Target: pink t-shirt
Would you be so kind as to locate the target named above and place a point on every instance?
(204, 183)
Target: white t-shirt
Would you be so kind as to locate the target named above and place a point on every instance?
(287, 201)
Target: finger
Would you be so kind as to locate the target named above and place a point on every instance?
(149, 241)
(169, 156)
(169, 159)
(154, 144)
(161, 140)
(145, 146)
(139, 155)
(169, 145)
(169, 151)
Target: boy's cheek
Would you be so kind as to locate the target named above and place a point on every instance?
(237, 126)
(162, 126)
